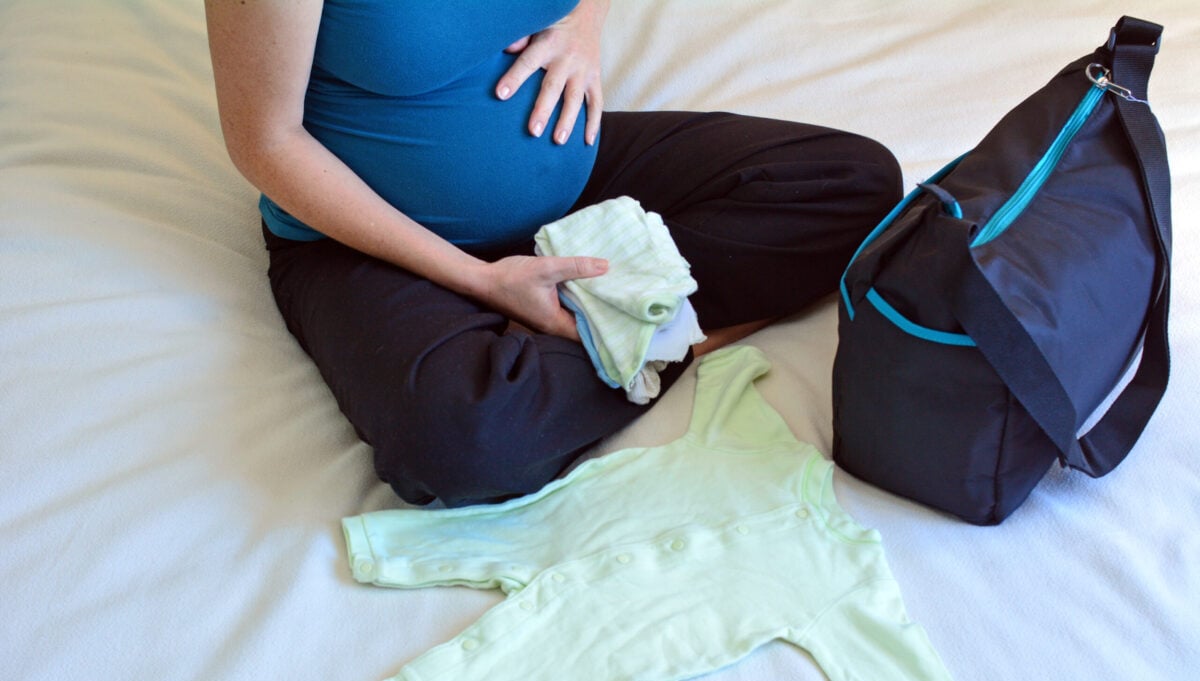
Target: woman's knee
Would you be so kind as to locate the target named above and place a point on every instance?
(462, 467)
(861, 181)
(877, 177)
(469, 432)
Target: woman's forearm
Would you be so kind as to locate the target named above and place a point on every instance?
(317, 188)
(312, 184)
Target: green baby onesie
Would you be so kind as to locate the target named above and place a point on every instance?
(661, 563)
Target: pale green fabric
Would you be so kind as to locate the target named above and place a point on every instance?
(646, 282)
(661, 563)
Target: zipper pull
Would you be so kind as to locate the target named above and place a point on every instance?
(1099, 74)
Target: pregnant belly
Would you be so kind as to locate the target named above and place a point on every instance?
(459, 161)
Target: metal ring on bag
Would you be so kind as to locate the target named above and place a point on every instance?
(1104, 82)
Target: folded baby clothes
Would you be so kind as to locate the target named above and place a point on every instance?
(669, 343)
(644, 290)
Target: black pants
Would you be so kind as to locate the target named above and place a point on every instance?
(767, 212)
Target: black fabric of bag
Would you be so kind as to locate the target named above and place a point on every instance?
(1017, 293)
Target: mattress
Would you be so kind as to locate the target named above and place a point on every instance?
(173, 470)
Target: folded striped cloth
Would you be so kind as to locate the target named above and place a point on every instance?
(646, 286)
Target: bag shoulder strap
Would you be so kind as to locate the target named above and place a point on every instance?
(1134, 43)
(1010, 350)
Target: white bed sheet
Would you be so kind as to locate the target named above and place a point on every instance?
(173, 470)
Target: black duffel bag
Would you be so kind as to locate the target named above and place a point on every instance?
(1012, 310)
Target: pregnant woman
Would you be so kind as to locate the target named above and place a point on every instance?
(407, 152)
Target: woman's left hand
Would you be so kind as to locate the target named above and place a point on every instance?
(569, 51)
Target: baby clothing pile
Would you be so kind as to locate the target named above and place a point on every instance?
(636, 318)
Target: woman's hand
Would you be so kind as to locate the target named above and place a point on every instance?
(525, 289)
(569, 51)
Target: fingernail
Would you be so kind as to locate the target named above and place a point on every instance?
(538, 128)
(504, 92)
(561, 137)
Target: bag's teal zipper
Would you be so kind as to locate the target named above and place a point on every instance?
(1037, 177)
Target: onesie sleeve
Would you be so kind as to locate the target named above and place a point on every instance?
(867, 635)
(729, 413)
(483, 547)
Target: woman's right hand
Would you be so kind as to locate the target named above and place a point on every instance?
(525, 289)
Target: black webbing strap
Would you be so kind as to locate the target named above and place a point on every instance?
(1008, 347)
(1134, 44)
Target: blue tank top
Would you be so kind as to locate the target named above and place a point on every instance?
(403, 93)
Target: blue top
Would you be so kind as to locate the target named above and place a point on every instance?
(403, 93)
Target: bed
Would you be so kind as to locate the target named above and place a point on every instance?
(173, 470)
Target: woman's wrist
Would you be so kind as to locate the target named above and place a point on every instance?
(472, 278)
(598, 9)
